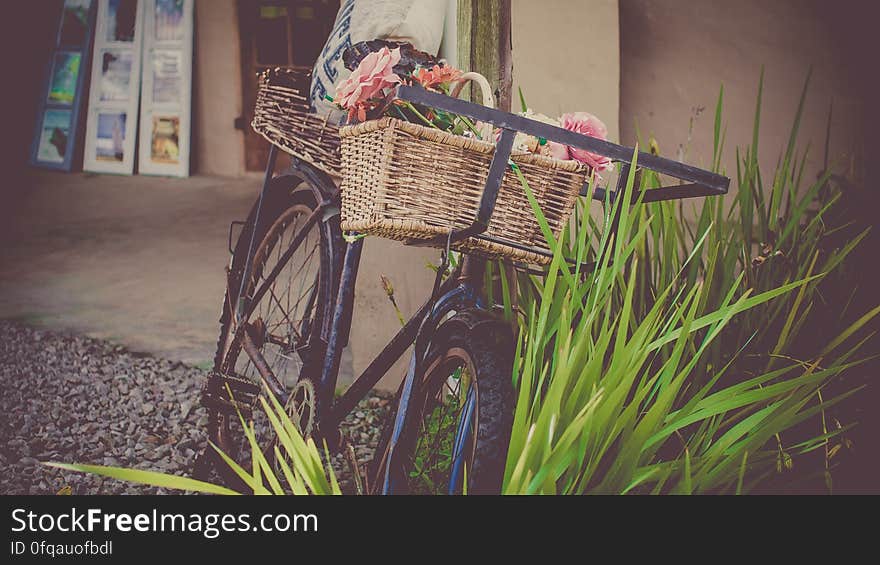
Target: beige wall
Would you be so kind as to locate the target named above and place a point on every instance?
(219, 147)
(676, 53)
(566, 57)
(375, 321)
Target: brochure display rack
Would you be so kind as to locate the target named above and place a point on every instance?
(166, 94)
(57, 123)
(111, 126)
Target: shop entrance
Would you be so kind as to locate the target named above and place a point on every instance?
(277, 33)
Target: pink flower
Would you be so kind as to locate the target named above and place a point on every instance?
(587, 124)
(429, 78)
(374, 74)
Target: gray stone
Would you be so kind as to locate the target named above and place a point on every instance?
(71, 399)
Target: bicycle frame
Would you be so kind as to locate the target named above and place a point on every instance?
(460, 291)
(463, 288)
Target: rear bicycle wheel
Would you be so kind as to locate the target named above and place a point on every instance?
(285, 323)
(458, 426)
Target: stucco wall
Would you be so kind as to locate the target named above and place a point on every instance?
(566, 57)
(375, 321)
(676, 53)
(219, 148)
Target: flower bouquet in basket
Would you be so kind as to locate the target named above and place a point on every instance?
(412, 172)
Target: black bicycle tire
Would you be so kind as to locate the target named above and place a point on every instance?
(489, 343)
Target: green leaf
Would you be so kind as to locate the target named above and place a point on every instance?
(522, 100)
(152, 478)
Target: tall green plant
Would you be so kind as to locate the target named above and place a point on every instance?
(771, 234)
(607, 396)
(676, 365)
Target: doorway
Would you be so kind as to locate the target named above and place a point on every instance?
(277, 33)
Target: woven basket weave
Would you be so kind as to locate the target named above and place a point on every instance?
(405, 181)
(283, 116)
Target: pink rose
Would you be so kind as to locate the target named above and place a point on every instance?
(369, 80)
(587, 124)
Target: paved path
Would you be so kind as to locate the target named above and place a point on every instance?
(139, 261)
(134, 260)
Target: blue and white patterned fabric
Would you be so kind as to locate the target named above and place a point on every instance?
(329, 66)
(419, 22)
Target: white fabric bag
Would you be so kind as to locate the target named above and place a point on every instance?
(419, 22)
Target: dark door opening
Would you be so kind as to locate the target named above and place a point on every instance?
(277, 33)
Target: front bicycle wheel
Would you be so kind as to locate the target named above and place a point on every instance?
(458, 425)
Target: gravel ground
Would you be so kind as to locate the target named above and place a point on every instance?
(75, 399)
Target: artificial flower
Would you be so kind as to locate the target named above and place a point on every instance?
(548, 148)
(436, 76)
(368, 81)
(556, 150)
(587, 124)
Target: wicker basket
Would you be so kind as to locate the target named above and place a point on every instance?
(283, 116)
(405, 181)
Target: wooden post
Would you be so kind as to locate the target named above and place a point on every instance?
(484, 44)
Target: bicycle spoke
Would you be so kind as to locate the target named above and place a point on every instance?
(271, 289)
(295, 275)
(299, 293)
(300, 319)
(437, 426)
(283, 312)
(444, 411)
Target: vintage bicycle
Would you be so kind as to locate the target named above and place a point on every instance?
(290, 302)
